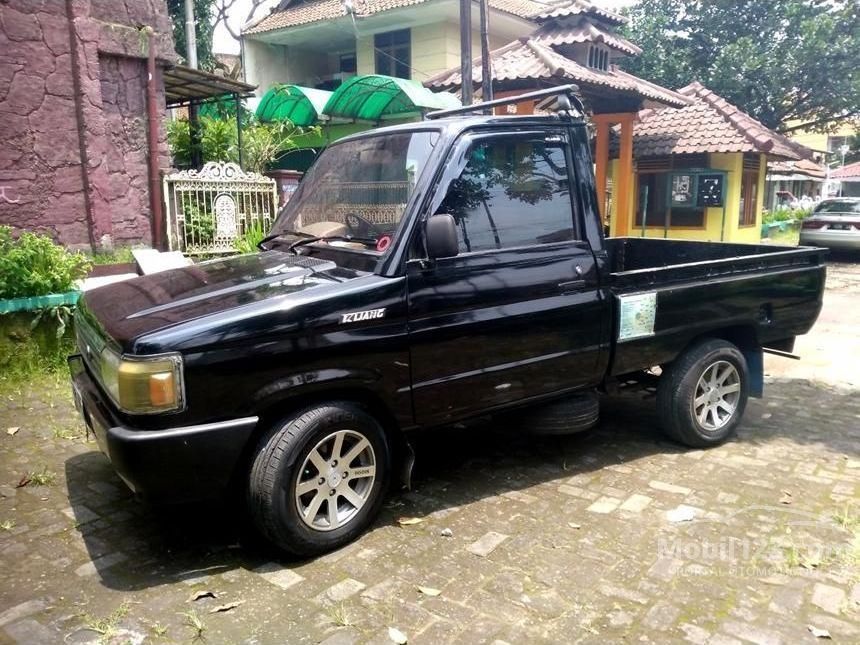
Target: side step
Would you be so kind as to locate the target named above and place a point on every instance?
(575, 413)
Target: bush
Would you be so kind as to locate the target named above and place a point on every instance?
(783, 214)
(33, 265)
(250, 238)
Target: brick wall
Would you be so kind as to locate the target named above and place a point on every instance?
(73, 144)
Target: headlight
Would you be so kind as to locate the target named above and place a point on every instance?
(143, 385)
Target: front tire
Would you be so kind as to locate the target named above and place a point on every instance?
(318, 480)
(701, 397)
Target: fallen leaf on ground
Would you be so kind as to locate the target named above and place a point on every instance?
(202, 594)
(409, 521)
(681, 514)
(23, 482)
(429, 591)
(574, 525)
(397, 636)
(230, 605)
(446, 533)
(818, 633)
(12, 431)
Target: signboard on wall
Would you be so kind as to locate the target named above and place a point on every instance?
(697, 189)
(710, 190)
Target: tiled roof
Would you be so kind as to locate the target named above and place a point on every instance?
(851, 170)
(582, 7)
(709, 124)
(552, 33)
(302, 14)
(802, 167)
(527, 59)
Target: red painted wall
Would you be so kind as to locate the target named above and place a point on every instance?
(73, 144)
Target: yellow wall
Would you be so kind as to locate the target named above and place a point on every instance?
(818, 140)
(733, 164)
(435, 48)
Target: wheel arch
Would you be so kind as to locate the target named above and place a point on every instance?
(301, 399)
(745, 338)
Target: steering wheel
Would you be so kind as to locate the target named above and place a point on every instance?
(361, 226)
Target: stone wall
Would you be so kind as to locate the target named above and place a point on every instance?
(73, 126)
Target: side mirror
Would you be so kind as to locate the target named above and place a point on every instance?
(440, 234)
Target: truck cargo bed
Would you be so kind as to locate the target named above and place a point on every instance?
(642, 263)
(763, 294)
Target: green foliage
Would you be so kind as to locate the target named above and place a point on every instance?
(204, 13)
(783, 214)
(33, 265)
(262, 143)
(779, 61)
(250, 238)
(121, 255)
(34, 344)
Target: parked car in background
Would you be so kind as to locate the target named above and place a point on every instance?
(835, 224)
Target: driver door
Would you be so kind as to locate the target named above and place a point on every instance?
(517, 314)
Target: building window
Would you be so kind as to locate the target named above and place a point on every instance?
(348, 63)
(393, 53)
(652, 205)
(598, 57)
(514, 191)
(749, 198)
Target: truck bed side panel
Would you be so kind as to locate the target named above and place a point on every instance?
(776, 304)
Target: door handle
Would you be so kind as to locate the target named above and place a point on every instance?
(578, 283)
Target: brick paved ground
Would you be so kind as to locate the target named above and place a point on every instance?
(525, 541)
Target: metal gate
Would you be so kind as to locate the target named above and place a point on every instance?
(209, 210)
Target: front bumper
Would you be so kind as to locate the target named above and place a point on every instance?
(163, 466)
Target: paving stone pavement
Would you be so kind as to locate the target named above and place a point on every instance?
(613, 535)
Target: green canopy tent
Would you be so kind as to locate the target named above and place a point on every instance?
(376, 98)
(302, 106)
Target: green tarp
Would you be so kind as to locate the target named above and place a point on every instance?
(376, 97)
(300, 105)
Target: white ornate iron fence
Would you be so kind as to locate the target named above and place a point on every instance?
(210, 209)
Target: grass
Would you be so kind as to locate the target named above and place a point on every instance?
(121, 255)
(195, 623)
(42, 477)
(847, 519)
(106, 627)
(70, 433)
(339, 615)
(7, 525)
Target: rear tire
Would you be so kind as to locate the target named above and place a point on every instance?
(319, 478)
(701, 397)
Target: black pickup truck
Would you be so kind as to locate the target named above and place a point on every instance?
(421, 275)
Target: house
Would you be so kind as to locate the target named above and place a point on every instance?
(321, 43)
(682, 164)
(578, 42)
(701, 169)
(789, 180)
(848, 178)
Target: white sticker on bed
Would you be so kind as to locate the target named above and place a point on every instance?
(637, 313)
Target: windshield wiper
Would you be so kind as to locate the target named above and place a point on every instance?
(331, 238)
(274, 236)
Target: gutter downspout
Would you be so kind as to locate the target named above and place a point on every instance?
(152, 115)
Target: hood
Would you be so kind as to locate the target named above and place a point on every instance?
(132, 308)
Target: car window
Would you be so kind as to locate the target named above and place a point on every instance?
(839, 206)
(513, 191)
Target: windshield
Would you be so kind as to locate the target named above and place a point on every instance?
(839, 206)
(358, 189)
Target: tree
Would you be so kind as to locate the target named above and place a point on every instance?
(792, 64)
(203, 16)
